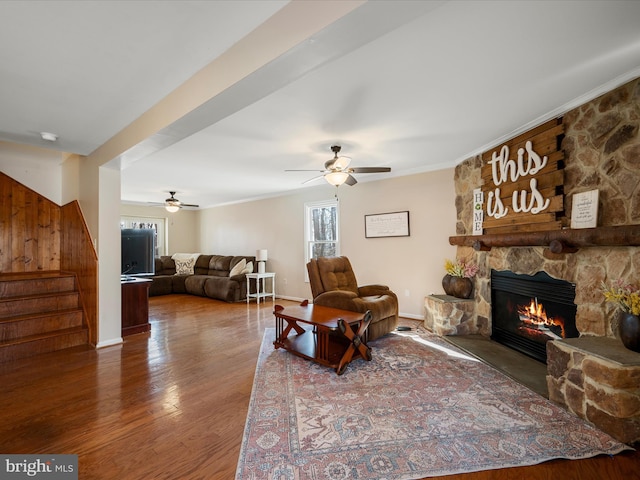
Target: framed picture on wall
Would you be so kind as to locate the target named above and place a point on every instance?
(394, 224)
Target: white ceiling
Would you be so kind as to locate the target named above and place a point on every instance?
(416, 86)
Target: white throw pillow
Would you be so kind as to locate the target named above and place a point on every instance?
(248, 268)
(238, 268)
(185, 267)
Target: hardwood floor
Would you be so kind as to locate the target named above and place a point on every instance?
(172, 404)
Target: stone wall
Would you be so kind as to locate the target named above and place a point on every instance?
(602, 151)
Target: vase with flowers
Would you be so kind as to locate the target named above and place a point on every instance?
(457, 282)
(627, 298)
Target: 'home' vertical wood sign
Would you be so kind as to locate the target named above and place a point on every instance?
(523, 182)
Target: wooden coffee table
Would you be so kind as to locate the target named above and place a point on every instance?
(325, 335)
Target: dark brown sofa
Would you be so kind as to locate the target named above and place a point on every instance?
(210, 278)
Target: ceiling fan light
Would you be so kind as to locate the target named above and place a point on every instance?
(336, 178)
(172, 208)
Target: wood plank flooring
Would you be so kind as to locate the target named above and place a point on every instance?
(172, 404)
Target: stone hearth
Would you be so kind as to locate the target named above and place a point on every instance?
(447, 315)
(597, 378)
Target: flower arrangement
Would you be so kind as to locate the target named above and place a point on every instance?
(625, 296)
(461, 268)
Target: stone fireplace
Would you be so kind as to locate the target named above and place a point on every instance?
(601, 152)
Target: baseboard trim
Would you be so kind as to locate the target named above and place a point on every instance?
(293, 299)
(110, 343)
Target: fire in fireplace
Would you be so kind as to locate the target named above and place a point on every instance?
(529, 310)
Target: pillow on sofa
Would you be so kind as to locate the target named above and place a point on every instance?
(185, 267)
(248, 268)
(238, 268)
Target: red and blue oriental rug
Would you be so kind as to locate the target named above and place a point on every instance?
(420, 408)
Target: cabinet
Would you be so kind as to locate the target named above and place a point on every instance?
(135, 305)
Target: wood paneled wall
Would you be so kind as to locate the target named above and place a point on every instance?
(78, 255)
(29, 229)
(36, 235)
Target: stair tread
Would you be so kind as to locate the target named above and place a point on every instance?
(40, 312)
(15, 276)
(28, 316)
(41, 336)
(39, 295)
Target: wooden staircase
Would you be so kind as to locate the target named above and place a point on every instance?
(39, 312)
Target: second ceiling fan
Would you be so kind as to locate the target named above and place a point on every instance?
(172, 204)
(337, 171)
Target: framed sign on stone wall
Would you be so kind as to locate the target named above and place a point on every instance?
(584, 213)
(523, 182)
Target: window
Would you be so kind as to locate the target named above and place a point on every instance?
(321, 230)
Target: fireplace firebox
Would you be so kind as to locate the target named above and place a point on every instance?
(529, 310)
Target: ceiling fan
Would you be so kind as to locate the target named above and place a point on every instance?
(337, 171)
(172, 204)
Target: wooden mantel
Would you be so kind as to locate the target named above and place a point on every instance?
(558, 241)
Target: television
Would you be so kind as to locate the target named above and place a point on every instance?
(138, 251)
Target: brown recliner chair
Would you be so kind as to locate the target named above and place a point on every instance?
(333, 284)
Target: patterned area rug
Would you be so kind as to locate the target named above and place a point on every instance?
(420, 408)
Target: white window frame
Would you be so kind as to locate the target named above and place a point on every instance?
(308, 241)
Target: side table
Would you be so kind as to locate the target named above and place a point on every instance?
(261, 294)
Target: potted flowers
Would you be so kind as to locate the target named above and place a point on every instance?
(457, 282)
(627, 298)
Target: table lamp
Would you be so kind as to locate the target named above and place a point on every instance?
(261, 257)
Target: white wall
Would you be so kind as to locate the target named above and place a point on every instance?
(71, 179)
(411, 266)
(109, 294)
(36, 168)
